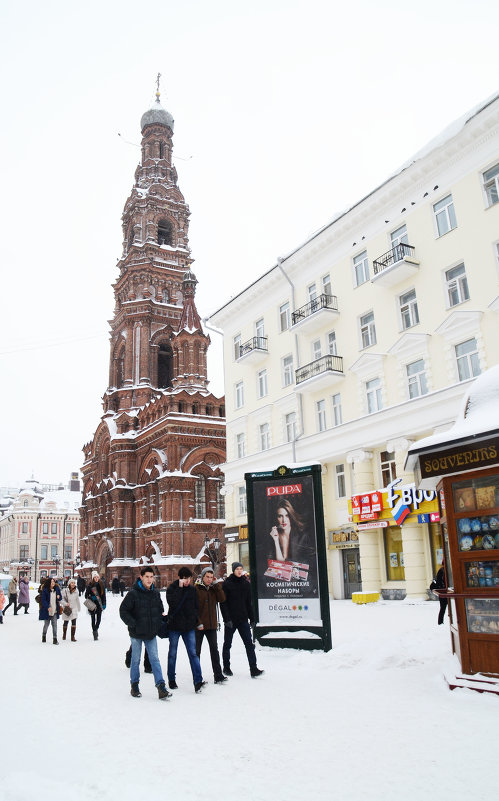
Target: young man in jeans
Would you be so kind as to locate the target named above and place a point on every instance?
(142, 610)
(183, 614)
(236, 612)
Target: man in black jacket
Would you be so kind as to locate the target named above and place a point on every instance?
(141, 610)
(183, 614)
(236, 611)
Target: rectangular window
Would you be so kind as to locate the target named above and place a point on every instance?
(468, 362)
(326, 285)
(240, 445)
(67, 552)
(45, 528)
(373, 395)
(312, 292)
(394, 553)
(320, 407)
(23, 552)
(43, 551)
(25, 528)
(368, 330)
(337, 414)
(264, 431)
(259, 330)
(53, 551)
(237, 346)
(399, 237)
(445, 216)
(284, 316)
(262, 384)
(388, 470)
(331, 343)
(69, 528)
(340, 481)
(239, 394)
(416, 379)
(316, 350)
(491, 185)
(361, 268)
(409, 309)
(457, 285)
(242, 500)
(53, 528)
(287, 371)
(290, 425)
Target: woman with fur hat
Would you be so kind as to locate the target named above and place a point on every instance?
(71, 599)
(96, 592)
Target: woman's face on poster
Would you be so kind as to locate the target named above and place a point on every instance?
(283, 521)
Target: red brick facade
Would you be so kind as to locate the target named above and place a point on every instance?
(151, 477)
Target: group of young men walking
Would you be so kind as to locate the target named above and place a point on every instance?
(193, 614)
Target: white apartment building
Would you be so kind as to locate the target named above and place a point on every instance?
(365, 339)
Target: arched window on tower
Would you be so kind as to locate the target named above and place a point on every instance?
(165, 366)
(200, 498)
(165, 232)
(120, 369)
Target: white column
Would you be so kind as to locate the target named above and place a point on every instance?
(363, 481)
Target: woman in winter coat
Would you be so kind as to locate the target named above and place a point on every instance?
(2, 603)
(23, 597)
(96, 592)
(49, 608)
(70, 598)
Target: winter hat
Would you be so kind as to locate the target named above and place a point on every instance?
(205, 571)
(95, 575)
(236, 565)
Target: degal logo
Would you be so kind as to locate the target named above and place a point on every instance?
(408, 494)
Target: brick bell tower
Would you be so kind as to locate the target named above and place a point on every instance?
(152, 474)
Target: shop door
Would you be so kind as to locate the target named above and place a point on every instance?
(351, 571)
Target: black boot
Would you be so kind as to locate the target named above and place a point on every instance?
(64, 629)
(96, 634)
(173, 685)
(255, 672)
(228, 671)
(199, 686)
(220, 679)
(162, 691)
(134, 691)
(44, 638)
(55, 641)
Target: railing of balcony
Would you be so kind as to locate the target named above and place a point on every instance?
(321, 302)
(392, 257)
(255, 343)
(321, 365)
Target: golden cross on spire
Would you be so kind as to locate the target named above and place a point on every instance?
(158, 93)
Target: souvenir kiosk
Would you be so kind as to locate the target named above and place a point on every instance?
(463, 465)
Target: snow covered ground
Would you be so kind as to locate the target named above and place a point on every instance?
(372, 719)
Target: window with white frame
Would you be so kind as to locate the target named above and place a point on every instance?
(361, 268)
(341, 490)
(416, 378)
(468, 361)
(331, 343)
(54, 528)
(367, 330)
(44, 552)
(409, 309)
(262, 384)
(25, 528)
(237, 346)
(320, 407)
(388, 467)
(259, 331)
(445, 216)
(45, 528)
(264, 435)
(241, 496)
(53, 551)
(290, 426)
(240, 445)
(373, 395)
(239, 394)
(287, 370)
(491, 185)
(399, 237)
(312, 291)
(316, 350)
(326, 284)
(69, 528)
(337, 413)
(457, 285)
(284, 316)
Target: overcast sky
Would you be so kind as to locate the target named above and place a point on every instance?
(286, 112)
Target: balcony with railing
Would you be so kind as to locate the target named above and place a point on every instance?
(254, 350)
(323, 372)
(315, 313)
(395, 265)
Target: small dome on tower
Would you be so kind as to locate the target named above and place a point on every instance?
(189, 276)
(157, 116)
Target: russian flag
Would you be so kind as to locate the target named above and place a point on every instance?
(400, 512)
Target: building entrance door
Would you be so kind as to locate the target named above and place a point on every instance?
(351, 571)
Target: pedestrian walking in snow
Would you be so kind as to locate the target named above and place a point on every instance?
(2, 603)
(81, 584)
(237, 612)
(210, 593)
(96, 592)
(23, 597)
(12, 590)
(141, 610)
(70, 609)
(440, 583)
(122, 588)
(183, 614)
(115, 585)
(49, 608)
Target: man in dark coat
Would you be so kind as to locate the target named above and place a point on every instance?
(141, 610)
(81, 584)
(210, 593)
(183, 615)
(236, 612)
